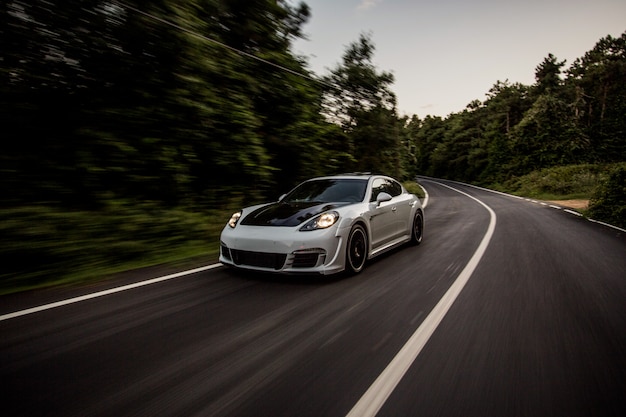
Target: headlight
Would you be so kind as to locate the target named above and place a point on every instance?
(323, 221)
(234, 219)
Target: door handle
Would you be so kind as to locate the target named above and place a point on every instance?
(394, 208)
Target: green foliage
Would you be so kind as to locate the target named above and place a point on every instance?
(520, 129)
(362, 103)
(357, 86)
(547, 136)
(41, 245)
(414, 188)
(548, 75)
(563, 182)
(609, 201)
(597, 95)
(102, 101)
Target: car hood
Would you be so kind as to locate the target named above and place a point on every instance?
(287, 214)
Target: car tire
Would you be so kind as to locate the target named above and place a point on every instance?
(356, 250)
(417, 228)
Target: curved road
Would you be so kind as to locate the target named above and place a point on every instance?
(508, 308)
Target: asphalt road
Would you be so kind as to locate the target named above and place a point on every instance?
(536, 328)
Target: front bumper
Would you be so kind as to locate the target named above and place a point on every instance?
(283, 249)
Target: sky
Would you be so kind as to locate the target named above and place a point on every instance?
(445, 54)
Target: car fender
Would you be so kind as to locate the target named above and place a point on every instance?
(349, 216)
(346, 225)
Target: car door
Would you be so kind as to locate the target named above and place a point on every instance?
(382, 215)
(403, 202)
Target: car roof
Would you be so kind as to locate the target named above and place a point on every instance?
(351, 175)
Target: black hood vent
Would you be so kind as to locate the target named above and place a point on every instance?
(287, 214)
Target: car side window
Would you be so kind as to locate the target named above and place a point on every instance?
(381, 185)
(395, 189)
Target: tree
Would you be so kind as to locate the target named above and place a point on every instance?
(548, 75)
(427, 135)
(461, 154)
(262, 119)
(150, 101)
(547, 136)
(63, 68)
(505, 107)
(360, 100)
(599, 91)
(356, 85)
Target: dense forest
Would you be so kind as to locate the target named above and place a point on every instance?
(189, 105)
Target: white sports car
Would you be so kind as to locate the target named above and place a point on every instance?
(325, 225)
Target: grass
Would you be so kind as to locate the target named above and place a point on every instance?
(414, 188)
(574, 182)
(558, 183)
(41, 246)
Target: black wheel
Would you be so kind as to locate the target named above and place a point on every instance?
(417, 230)
(356, 252)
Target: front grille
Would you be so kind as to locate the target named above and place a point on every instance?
(258, 259)
(305, 260)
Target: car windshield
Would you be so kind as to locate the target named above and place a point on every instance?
(328, 191)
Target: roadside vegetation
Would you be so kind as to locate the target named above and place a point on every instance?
(599, 190)
(569, 182)
(44, 246)
(558, 183)
(128, 141)
(608, 202)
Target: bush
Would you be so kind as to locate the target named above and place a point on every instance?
(564, 182)
(608, 204)
(414, 188)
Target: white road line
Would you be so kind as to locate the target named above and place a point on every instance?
(607, 225)
(106, 292)
(374, 398)
(526, 199)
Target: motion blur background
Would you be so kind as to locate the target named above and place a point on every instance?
(132, 129)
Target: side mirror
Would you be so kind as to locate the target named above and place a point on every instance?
(281, 197)
(382, 197)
